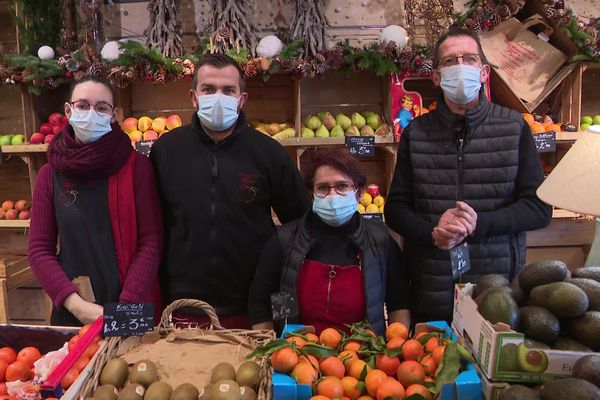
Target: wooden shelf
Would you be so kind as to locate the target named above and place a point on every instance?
(310, 142)
(567, 136)
(24, 148)
(16, 223)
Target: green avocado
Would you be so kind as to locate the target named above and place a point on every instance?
(561, 299)
(532, 360)
(569, 388)
(541, 273)
(517, 392)
(537, 323)
(586, 329)
(587, 272)
(588, 368)
(489, 281)
(591, 289)
(497, 305)
(568, 344)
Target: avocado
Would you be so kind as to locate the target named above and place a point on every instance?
(534, 344)
(517, 292)
(144, 372)
(568, 344)
(569, 388)
(532, 360)
(497, 305)
(586, 329)
(537, 323)
(591, 289)
(132, 391)
(222, 370)
(541, 273)
(587, 272)
(588, 368)
(105, 392)
(158, 391)
(508, 360)
(561, 299)
(248, 374)
(114, 373)
(517, 392)
(185, 391)
(489, 281)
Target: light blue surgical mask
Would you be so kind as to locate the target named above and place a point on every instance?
(335, 210)
(89, 125)
(461, 83)
(217, 111)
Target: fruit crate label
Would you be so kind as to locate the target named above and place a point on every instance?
(373, 216)
(283, 305)
(459, 258)
(132, 319)
(362, 146)
(144, 146)
(545, 142)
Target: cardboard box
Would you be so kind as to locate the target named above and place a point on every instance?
(486, 342)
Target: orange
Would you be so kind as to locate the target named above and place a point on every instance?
(374, 379)
(330, 387)
(304, 373)
(332, 366)
(353, 345)
(18, 370)
(29, 355)
(84, 329)
(418, 335)
(438, 354)
(81, 363)
(298, 340)
(352, 390)
(432, 343)
(395, 343)
(69, 378)
(319, 397)
(429, 365)
(389, 365)
(412, 350)
(396, 329)
(311, 337)
(330, 337)
(347, 356)
(410, 372)
(429, 379)
(366, 397)
(355, 368)
(528, 118)
(73, 342)
(537, 128)
(312, 360)
(3, 367)
(390, 388)
(8, 354)
(284, 360)
(418, 389)
(91, 349)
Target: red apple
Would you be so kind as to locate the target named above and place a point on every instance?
(373, 190)
(130, 124)
(150, 135)
(25, 214)
(22, 205)
(46, 128)
(55, 118)
(36, 138)
(173, 121)
(56, 129)
(64, 121)
(12, 214)
(48, 139)
(2, 214)
(8, 205)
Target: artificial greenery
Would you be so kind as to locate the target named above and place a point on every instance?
(369, 59)
(39, 23)
(135, 52)
(582, 40)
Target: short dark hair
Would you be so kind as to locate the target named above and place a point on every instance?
(339, 159)
(218, 61)
(456, 32)
(95, 79)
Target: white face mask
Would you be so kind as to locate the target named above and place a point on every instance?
(89, 125)
(217, 111)
(461, 82)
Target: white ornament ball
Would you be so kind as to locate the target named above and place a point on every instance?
(269, 46)
(110, 51)
(394, 33)
(45, 53)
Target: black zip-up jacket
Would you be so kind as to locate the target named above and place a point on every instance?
(217, 200)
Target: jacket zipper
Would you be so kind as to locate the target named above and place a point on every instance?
(332, 275)
(213, 210)
(461, 142)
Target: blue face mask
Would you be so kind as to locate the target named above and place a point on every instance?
(89, 125)
(461, 83)
(335, 210)
(217, 111)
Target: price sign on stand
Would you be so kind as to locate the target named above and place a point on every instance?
(373, 216)
(545, 142)
(144, 146)
(283, 306)
(133, 319)
(460, 260)
(362, 146)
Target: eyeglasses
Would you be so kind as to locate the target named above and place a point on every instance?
(101, 107)
(342, 188)
(469, 59)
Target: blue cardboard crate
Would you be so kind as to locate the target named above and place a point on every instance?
(467, 385)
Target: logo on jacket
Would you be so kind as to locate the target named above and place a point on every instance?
(68, 193)
(248, 187)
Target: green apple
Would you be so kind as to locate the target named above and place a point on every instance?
(5, 140)
(583, 127)
(596, 120)
(17, 139)
(586, 119)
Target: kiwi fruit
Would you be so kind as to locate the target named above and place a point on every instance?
(248, 374)
(247, 393)
(185, 391)
(105, 392)
(205, 392)
(225, 389)
(132, 392)
(222, 371)
(159, 391)
(114, 373)
(144, 372)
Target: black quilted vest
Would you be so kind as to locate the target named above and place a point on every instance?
(370, 237)
(481, 172)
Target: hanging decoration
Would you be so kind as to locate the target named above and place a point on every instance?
(428, 19)
(38, 22)
(164, 31)
(68, 31)
(394, 33)
(484, 15)
(231, 27)
(45, 53)
(91, 22)
(309, 23)
(269, 46)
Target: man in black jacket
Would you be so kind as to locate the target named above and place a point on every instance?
(467, 171)
(218, 179)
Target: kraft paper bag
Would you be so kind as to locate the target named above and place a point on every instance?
(524, 61)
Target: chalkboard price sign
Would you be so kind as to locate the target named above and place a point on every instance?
(283, 305)
(144, 146)
(373, 216)
(545, 142)
(362, 146)
(133, 319)
(460, 260)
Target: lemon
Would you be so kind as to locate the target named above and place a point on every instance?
(366, 199)
(381, 208)
(361, 208)
(372, 208)
(378, 201)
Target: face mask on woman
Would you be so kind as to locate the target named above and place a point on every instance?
(217, 111)
(89, 125)
(335, 210)
(461, 82)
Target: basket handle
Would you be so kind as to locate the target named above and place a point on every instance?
(202, 305)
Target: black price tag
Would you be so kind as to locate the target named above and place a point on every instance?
(459, 258)
(545, 142)
(283, 305)
(133, 319)
(144, 146)
(373, 216)
(363, 146)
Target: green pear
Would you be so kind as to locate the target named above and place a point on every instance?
(374, 121)
(321, 115)
(343, 121)
(352, 131)
(312, 122)
(322, 132)
(337, 131)
(383, 130)
(367, 114)
(329, 121)
(17, 139)
(5, 140)
(308, 133)
(367, 131)
(586, 119)
(358, 120)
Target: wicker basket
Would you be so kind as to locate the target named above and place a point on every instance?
(249, 339)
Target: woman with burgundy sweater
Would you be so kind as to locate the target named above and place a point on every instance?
(98, 198)
(340, 267)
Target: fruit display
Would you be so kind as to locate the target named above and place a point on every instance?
(12, 139)
(542, 124)
(587, 121)
(146, 128)
(12, 210)
(47, 130)
(372, 202)
(277, 131)
(324, 124)
(363, 365)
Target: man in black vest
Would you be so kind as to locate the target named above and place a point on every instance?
(466, 172)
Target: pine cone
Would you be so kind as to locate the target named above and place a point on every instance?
(335, 58)
(489, 9)
(160, 76)
(97, 69)
(63, 60)
(504, 11)
(514, 6)
(549, 11)
(426, 67)
(5, 72)
(52, 84)
(250, 69)
(121, 77)
(306, 70)
(405, 58)
(495, 19)
(319, 67)
(79, 75)
(472, 24)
